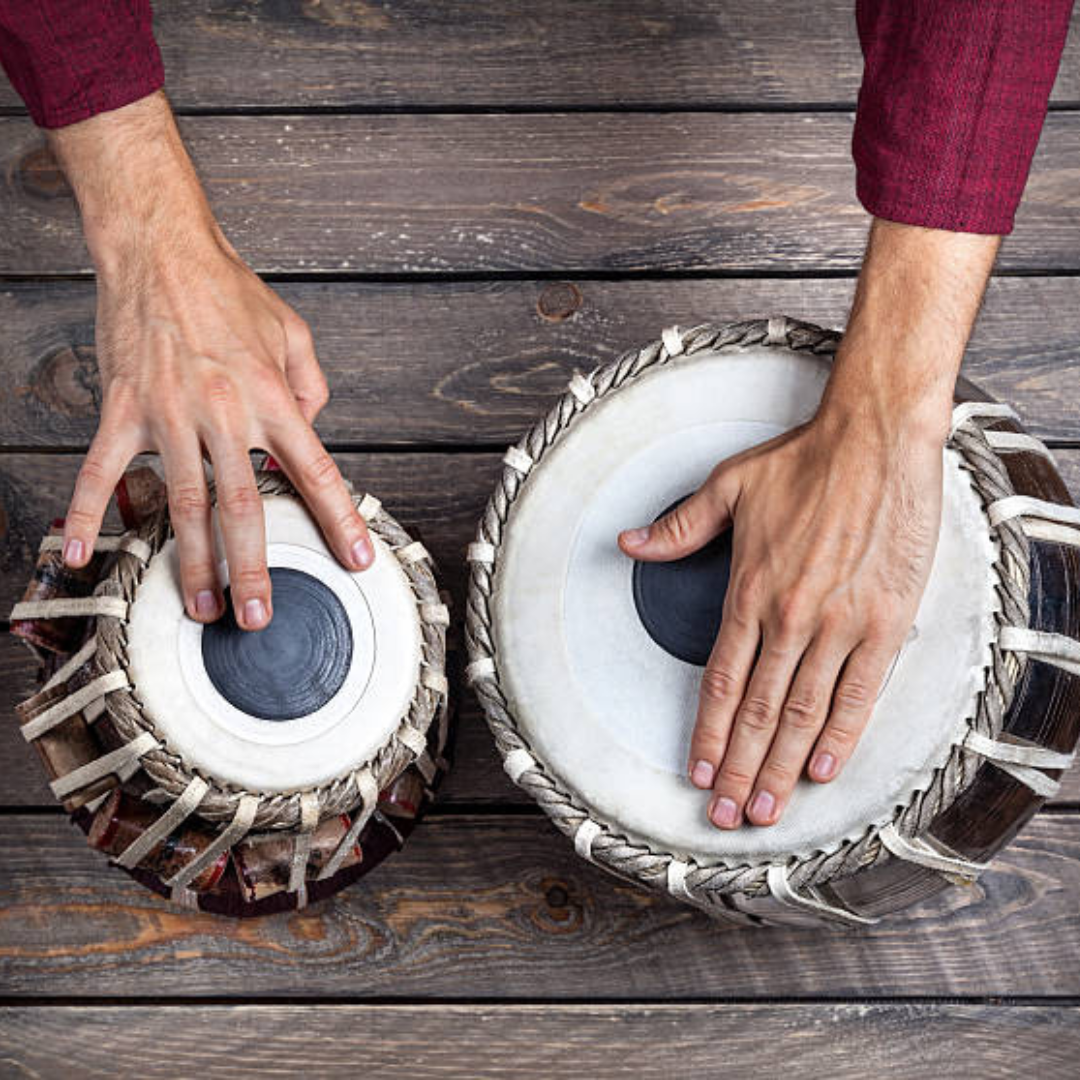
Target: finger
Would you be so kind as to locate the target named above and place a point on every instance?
(316, 477)
(801, 720)
(853, 701)
(302, 371)
(688, 526)
(755, 724)
(189, 512)
(99, 474)
(722, 685)
(243, 529)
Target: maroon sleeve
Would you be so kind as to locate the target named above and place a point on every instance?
(70, 59)
(953, 99)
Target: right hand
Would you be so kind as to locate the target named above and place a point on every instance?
(197, 357)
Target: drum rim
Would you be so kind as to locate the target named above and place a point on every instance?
(343, 794)
(712, 884)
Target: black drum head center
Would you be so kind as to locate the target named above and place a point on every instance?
(680, 603)
(295, 664)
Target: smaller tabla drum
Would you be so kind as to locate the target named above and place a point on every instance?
(588, 665)
(237, 772)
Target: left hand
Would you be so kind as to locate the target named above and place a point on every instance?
(835, 525)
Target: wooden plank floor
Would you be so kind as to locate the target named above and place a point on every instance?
(468, 201)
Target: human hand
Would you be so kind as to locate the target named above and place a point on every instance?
(197, 356)
(834, 529)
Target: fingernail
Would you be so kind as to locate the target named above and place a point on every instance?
(702, 774)
(823, 766)
(363, 553)
(73, 552)
(636, 537)
(254, 613)
(723, 812)
(205, 604)
(762, 806)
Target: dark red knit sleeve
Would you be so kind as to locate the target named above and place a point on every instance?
(70, 59)
(953, 99)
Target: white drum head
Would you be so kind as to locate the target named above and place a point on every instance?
(610, 712)
(211, 734)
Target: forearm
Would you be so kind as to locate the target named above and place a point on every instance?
(136, 187)
(915, 304)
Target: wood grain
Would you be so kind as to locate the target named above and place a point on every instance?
(501, 907)
(488, 194)
(439, 495)
(411, 53)
(336, 1042)
(454, 363)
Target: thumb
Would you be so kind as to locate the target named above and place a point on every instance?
(687, 527)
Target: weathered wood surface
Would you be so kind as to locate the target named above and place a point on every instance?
(429, 1042)
(496, 53)
(646, 192)
(453, 363)
(506, 900)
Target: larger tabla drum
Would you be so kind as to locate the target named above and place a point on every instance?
(240, 773)
(588, 666)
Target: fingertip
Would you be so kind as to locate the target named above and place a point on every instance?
(763, 809)
(633, 539)
(724, 812)
(702, 774)
(204, 606)
(362, 552)
(77, 552)
(823, 767)
(254, 614)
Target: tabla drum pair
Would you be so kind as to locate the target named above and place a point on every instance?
(239, 773)
(588, 665)
(248, 773)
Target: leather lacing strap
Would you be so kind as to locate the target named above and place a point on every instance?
(916, 850)
(56, 714)
(74, 607)
(518, 460)
(1022, 762)
(309, 821)
(1057, 649)
(1017, 442)
(165, 825)
(1040, 519)
(986, 410)
(780, 887)
(236, 830)
(584, 836)
(518, 762)
(71, 665)
(369, 797)
(103, 766)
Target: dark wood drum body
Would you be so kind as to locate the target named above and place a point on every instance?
(176, 826)
(991, 767)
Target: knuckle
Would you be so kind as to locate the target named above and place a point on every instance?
(80, 521)
(196, 571)
(249, 580)
(853, 694)
(319, 472)
(734, 778)
(188, 502)
(778, 776)
(218, 389)
(93, 471)
(757, 713)
(241, 502)
(718, 684)
(803, 711)
(675, 526)
(792, 614)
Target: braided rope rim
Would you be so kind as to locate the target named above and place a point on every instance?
(707, 883)
(280, 810)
